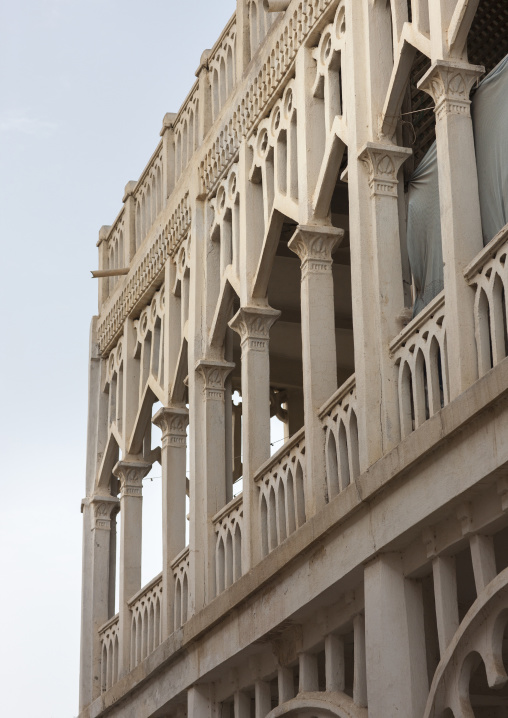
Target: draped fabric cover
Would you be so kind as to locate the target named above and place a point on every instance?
(490, 125)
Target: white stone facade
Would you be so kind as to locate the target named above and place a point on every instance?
(362, 570)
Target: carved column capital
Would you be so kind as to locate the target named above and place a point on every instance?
(103, 507)
(214, 374)
(253, 324)
(383, 162)
(131, 475)
(449, 84)
(315, 246)
(172, 421)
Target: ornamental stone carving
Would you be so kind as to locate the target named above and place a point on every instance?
(104, 508)
(449, 85)
(131, 475)
(214, 374)
(172, 421)
(315, 246)
(253, 324)
(383, 163)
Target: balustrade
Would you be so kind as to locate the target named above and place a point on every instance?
(181, 567)
(228, 524)
(341, 443)
(149, 195)
(281, 483)
(108, 635)
(488, 273)
(420, 353)
(146, 633)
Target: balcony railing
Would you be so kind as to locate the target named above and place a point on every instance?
(281, 492)
(419, 352)
(108, 635)
(488, 273)
(228, 525)
(180, 568)
(339, 417)
(146, 620)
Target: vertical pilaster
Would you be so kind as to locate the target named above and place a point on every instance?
(173, 423)
(131, 475)
(129, 240)
(395, 641)
(449, 85)
(253, 325)
(314, 246)
(382, 163)
(212, 488)
(445, 593)
(200, 701)
(102, 244)
(168, 154)
(103, 510)
(205, 100)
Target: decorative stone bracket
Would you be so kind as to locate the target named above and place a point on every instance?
(449, 85)
(253, 324)
(315, 246)
(383, 163)
(104, 507)
(172, 421)
(214, 374)
(131, 475)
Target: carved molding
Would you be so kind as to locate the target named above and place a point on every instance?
(314, 247)
(214, 374)
(449, 85)
(253, 324)
(172, 421)
(104, 508)
(131, 475)
(383, 163)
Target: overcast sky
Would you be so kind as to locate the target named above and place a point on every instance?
(85, 85)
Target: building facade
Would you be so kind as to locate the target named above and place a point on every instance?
(258, 273)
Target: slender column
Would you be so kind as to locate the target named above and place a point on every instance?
(395, 641)
(131, 475)
(334, 663)
(360, 662)
(241, 705)
(211, 490)
(103, 510)
(445, 592)
(200, 702)
(253, 325)
(382, 163)
(484, 560)
(285, 683)
(262, 699)
(314, 246)
(308, 675)
(129, 248)
(102, 244)
(173, 423)
(168, 154)
(449, 85)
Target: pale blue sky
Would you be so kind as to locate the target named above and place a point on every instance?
(85, 85)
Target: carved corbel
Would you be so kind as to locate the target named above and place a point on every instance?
(131, 475)
(253, 324)
(214, 374)
(383, 163)
(449, 85)
(104, 508)
(172, 421)
(314, 247)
